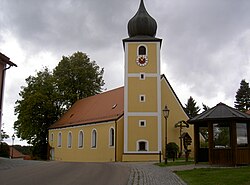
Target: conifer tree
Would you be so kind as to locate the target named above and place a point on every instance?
(205, 107)
(242, 97)
(191, 109)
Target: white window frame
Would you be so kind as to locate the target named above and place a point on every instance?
(145, 48)
(81, 139)
(142, 121)
(146, 147)
(94, 140)
(144, 98)
(111, 137)
(59, 140)
(69, 139)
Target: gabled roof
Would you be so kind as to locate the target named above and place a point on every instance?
(6, 60)
(107, 106)
(175, 95)
(220, 112)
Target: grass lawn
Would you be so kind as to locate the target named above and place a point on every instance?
(216, 176)
(177, 162)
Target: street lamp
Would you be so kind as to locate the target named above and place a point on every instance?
(13, 138)
(166, 114)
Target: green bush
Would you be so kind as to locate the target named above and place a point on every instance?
(4, 150)
(172, 150)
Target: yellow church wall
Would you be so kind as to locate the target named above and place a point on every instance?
(151, 67)
(176, 114)
(140, 157)
(119, 138)
(148, 133)
(147, 87)
(103, 151)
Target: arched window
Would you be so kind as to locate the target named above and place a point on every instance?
(59, 141)
(111, 137)
(142, 50)
(69, 140)
(94, 139)
(80, 139)
(52, 137)
(142, 145)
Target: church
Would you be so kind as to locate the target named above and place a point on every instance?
(126, 123)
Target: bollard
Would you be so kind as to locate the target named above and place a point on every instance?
(159, 156)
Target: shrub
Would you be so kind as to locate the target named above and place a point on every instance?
(172, 150)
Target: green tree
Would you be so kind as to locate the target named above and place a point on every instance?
(38, 108)
(242, 97)
(48, 94)
(191, 109)
(205, 107)
(4, 135)
(77, 77)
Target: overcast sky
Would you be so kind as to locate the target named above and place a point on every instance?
(205, 51)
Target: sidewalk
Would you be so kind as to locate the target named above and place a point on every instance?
(150, 174)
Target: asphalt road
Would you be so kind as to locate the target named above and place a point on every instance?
(64, 173)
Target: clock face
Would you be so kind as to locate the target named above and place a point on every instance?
(142, 60)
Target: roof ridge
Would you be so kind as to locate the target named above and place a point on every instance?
(104, 92)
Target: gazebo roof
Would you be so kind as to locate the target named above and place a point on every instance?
(221, 112)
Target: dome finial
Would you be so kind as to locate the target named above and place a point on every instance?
(142, 24)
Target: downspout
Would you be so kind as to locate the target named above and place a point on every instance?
(1, 99)
(115, 141)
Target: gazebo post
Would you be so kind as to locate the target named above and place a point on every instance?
(233, 143)
(210, 143)
(196, 142)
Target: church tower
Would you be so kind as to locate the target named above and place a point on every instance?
(142, 92)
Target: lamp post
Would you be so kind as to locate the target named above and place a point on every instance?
(13, 138)
(166, 114)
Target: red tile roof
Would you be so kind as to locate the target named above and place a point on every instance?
(103, 107)
(248, 112)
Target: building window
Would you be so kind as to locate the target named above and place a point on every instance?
(221, 133)
(142, 76)
(142, 98)
(142, 50)
(52, 137)
(142, 123)
(111, 137)
(241, 131)
(142, 145)
(69, 140)
(80, 139)
(59, 141)
(93, 139)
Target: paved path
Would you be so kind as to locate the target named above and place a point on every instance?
(20, 172)
(150, 174)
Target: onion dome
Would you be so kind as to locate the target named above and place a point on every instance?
(142, 24)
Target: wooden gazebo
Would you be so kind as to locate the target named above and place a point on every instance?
(222, 136)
